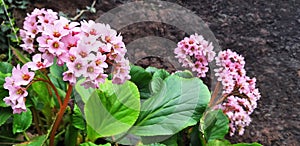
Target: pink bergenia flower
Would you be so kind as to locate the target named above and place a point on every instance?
(56, 31)
(22, 76)
(98, 46)
(70, 77)
(34, 25)
(78, 67)
(70, 41)
(100, 60)
(56, 47)
(16, 99)
(9, 83)
(195, 52)
(92, 71)
(37, 63)
(121, 72)
(243, 93)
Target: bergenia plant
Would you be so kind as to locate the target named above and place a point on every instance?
(80, 87)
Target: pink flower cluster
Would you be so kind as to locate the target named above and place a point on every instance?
(195, 52)
(16, 84)
(87, 48)
(239, 89)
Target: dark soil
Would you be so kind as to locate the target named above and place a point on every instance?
(266, 33)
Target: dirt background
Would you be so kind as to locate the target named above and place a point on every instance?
(265, 32)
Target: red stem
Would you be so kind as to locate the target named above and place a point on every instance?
(60, 115)
(214, 95)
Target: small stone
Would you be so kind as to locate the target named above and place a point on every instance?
(264, 32)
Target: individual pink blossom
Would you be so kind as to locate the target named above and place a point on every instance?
(92, 71)
(78, 67)
(48, 56)
(55, 31)
(100, 60)
(22, 76)
(56, 47)
(9, 83)
(70, 41)
(43, 42)
(70, 77)
(37, 63)
(16, 98)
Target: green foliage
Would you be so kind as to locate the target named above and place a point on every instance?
(247, 144)
(9, 30)
(5, 67)
(71, 136)
(36, 141)
(77, 119)
(22, 122)
(141, 79)
(227, 143)
(184, 74)
(179, 104)
(92, 144)
(214, 125)
(55, 75)
(5, 113)
(219, 143)
(20, 55)
(113, 109)
(5, 71)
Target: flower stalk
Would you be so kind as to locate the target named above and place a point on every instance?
(60, 114)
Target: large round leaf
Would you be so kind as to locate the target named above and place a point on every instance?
(112, 109)
(178, 104)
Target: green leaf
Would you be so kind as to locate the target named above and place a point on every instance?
(227, 143)
(55, 75)
(247, 144)
(22, 122)
(41, 89)
(161, 74)
(3, 92)
(92, 144)
(214, 125)
(71, 136)
(5, 113)
(23, 58)
(153, 144)
(151, 69)
(141, 78)
(179, 104)
(218, 143)
(77, 119)
(36, 141)
(172, 141)
(155, 85)
(5, 67)
(184, 74)
(113, 109)
(85, 94)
